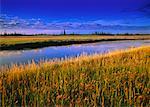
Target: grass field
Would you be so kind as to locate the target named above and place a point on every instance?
(116, 79)
(8, 40)
(32, 42)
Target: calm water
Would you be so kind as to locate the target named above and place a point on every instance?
(25, 56)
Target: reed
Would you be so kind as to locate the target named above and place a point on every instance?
(119, 78)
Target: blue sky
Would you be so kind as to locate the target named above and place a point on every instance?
(74, 14)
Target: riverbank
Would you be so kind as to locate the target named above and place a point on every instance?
(33, 42)
(116, 79)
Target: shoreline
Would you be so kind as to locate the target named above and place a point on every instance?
(42, 44)
(84, 75)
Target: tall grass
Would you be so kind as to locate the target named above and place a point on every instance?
(117, 79)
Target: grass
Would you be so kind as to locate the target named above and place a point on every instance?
(22, 42)
(115, 79)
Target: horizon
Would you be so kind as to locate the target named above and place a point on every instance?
(76, 16)
(70, 32)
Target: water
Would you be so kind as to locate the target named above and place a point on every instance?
(25, 56)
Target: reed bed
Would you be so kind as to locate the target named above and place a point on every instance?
(115, 79)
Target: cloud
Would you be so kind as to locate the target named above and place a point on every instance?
(11, 22)
(8, 22)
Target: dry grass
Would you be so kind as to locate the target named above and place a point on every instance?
(117, 79)
(30, 39)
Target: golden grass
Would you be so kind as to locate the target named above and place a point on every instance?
(116, 79)
(28, 39)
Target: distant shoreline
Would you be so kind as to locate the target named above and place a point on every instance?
(75, 34)
(60, 41)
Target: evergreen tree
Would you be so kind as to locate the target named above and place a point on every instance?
(64, 32)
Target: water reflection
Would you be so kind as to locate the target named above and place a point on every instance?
(24, 56)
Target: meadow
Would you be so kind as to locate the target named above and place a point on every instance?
(119, 78)
(31, 42)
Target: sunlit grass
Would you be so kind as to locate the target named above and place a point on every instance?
(116, 79)
(31, 39)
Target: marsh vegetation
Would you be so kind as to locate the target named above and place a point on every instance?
(32, 42)
(119, 78)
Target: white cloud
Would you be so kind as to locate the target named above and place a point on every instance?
(10, 23)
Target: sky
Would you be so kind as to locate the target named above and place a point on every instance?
(102, 15)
